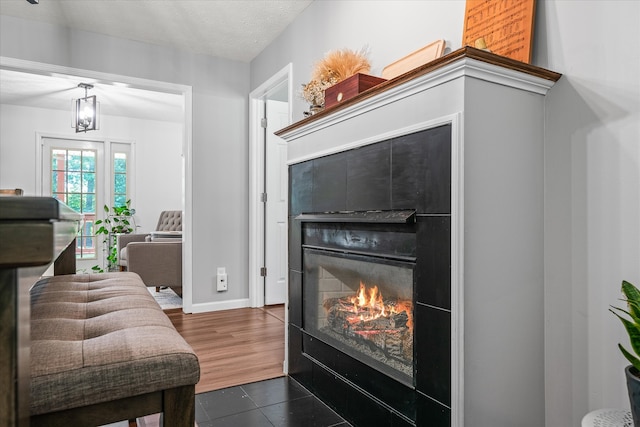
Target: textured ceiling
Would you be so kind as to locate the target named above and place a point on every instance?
(233, 29)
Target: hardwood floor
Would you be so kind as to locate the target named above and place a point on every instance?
(234, 346)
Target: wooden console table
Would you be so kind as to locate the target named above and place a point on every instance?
(34, 233)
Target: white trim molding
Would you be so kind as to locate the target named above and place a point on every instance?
(256, 173)
(220, 305)
(457, 270)
(465, 67)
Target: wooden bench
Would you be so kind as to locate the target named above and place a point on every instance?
(102, 351)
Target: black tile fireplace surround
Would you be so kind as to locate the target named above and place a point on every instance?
(389, 201)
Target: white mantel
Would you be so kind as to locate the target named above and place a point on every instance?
(496, 109)
(466, 62)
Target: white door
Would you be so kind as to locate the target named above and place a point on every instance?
(275, 286)
(72, 171)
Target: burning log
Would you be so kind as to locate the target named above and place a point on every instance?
(383, 325)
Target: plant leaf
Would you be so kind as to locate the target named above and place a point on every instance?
(633, 330)
(630, 357)
(633, 298)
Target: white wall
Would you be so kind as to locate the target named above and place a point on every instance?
(219, 171)
(592, 162)
(389, 29)
(592, 209)
(157, 155)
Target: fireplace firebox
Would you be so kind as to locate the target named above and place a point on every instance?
(361, 301)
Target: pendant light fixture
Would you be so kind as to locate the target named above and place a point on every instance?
(85, 111)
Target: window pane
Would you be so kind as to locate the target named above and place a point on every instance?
(88, 203)
(119, 178)
(85, 248)
(89, 161)
(89, 224)
(120, 200)
(58, 159)
(120, 184)
(88, 182)
(120, 162)
(75, 160)
(74, 201)
(58, 181)
(74, 182)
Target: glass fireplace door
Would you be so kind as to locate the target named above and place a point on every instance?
(363, 306)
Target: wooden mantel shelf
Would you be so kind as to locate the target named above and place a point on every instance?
(466, 54)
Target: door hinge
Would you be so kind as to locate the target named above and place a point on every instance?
(263, 197)
(263, 122)
(263, 271)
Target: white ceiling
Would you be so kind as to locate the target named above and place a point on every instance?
(232, 29)
(57, 92)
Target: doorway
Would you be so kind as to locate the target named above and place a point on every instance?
(269, 110)
(43, 70)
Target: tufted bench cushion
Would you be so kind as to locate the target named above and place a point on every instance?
(102, 337)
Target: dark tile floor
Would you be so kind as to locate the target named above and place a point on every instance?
(278, 402)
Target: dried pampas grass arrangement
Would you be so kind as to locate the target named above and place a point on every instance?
(335, 67)
(341, 64)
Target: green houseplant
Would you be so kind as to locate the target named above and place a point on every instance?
(118, 220)
(630, 318)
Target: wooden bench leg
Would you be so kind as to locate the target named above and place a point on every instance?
(180, 406)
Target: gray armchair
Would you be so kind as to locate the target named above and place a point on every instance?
(156, 257)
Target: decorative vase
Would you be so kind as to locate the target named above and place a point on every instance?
(633, 386)
(313, 109)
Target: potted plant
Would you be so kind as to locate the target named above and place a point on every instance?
(118, 220)
(631, 321)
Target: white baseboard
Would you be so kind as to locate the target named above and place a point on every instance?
(219, 306)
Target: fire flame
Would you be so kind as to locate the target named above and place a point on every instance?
(368, 304)
(370, 301)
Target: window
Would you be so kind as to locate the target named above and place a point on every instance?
(73, 181)
(86, 175)
(120, 179)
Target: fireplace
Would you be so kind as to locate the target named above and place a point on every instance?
(459, 142)
(369, 280)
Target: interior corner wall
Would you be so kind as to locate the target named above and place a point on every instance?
(219, 167)
(592, 162)
(592, 201)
